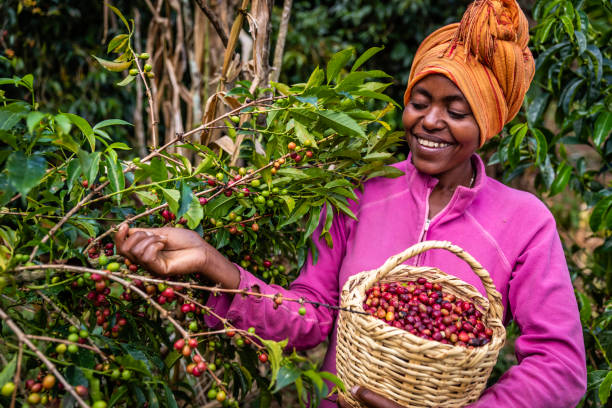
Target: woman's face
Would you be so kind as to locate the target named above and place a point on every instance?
(440, 128)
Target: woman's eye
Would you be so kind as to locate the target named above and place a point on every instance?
(457, 115)
(417, 105)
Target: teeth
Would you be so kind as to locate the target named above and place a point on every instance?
(429, 143)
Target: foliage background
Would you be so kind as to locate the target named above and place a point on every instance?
(558, 147)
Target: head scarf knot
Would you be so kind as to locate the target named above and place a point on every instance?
(486, 56)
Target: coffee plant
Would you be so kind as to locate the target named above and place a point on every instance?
(81, 326)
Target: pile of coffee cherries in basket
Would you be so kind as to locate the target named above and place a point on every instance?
(423, 309)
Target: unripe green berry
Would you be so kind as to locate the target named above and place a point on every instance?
(61, 348)
(133, 72)
(73, 348)
(302, 311)
(148, 68)
(73, 337)
(144, 56)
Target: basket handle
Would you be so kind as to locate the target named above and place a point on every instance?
(494, 297)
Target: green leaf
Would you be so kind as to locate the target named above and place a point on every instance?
(275, 354)
(568, 25)
(295, 174)
(125, 81)
(541, 146)
(375, 95)
(341, 122)
(366, 56)
(604, 388)
(110, 122)
(387, 171)
(90, 163)
(85, 128)
(116, 42)
(120, 15)
(289, 202)
(25, 172)
(333, 379)
(340, 204)
(603, 127)
(286, 375)
(316, 78)
(11, 114)
(73, 171)
(378, 156)
(299, 213)
(303, 135)
(172, 198)
(564, 173)
(194, 214)
(115, 177)
(585, 308)
(8, 372)
(337, 61)
(186, 199)
(170, 401)
(112, 65)
(205, 164)
(159, 172)
(34, 119)
(117, 395)
(536, 108)
(317, 381)
(598, 215)
(147, 197)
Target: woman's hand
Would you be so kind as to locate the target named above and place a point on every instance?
(368, 398)
(175, 251)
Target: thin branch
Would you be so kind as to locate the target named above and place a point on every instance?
(17, 377)
(73, 321)
(280, 42)
(23, 338)
(214, 19)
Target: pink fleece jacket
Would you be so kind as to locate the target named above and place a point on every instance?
(510, 232)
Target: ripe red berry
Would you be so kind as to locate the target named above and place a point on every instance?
(185, 308)
(203, 200)
(291, 146)
(110, 245)
(228, 193)
(211, 182)
(263, 357)
(267, 263)
(179, 344)
(133, 268)
(168, 293)
(193, 343)
(85, 184)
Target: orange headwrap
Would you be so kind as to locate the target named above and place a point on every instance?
(486, 56)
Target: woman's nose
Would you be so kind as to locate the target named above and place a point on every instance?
(432, 120)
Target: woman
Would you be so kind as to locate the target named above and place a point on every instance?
(467, 81)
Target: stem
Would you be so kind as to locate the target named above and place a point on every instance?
(23, 338)
(280, 42)
(149, 97)
(603, 351)
(214, 19)
(17, 378)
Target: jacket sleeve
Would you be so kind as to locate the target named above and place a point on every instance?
(317, 282)
(551, 370)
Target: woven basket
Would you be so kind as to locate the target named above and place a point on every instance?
(410, 370)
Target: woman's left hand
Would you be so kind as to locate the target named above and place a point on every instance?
(368, 398)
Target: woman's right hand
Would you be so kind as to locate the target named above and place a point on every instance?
(175, 251)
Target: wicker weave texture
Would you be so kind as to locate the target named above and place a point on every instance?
(413, 371)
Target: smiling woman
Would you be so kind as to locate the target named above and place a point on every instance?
(442, 134)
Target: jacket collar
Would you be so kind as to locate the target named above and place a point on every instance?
(421, 185)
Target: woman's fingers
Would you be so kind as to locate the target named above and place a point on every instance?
(141, 246)
(151, 260)
(125, 247)
(372, 399)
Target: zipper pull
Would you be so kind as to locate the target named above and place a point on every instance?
(427, 222)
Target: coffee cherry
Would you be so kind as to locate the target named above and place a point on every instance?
(212, 394)
(291, 146)
(7, 389)
(113, 266)
(168, 293)
(81, 390)
(133, 71)
(221, 396)
(193, 343)
(302, 311)
(143, 56)
(126, 375)
(61, 348)
(263, 357)
(193, 326)
(179, 344)
(34, 398)
(203, 200)
(186, 351)
(99, 404)
(73, 349)
(48, 382)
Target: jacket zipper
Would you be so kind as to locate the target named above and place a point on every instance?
(425, 226)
